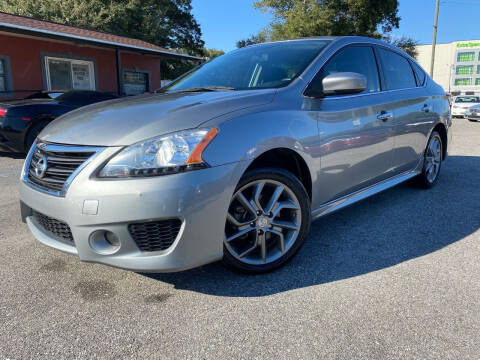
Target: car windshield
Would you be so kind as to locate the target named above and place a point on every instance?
(467, 99)
(263, 66)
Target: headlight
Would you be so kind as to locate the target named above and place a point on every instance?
(169, 154)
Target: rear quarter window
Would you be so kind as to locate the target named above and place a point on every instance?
(397, 70)
(421, 76)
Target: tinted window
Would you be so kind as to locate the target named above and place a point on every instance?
(397, 69)
(358, 59)
(256, 67)
(467, 99)
(420, 74)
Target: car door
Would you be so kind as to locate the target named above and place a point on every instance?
(412, 108)
(355, 134)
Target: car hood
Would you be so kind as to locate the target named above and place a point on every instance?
(129, 120)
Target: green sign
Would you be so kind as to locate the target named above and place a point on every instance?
(468, 45)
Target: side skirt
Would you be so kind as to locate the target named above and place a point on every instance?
(347, 200)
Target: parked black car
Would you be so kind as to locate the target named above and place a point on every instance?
(22, 120)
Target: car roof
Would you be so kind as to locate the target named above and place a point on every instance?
(350, 39)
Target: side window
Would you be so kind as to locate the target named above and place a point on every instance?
(420, 74)
(397, 70)
(358, 59)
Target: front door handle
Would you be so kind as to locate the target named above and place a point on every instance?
(426, 108)
(385, 115)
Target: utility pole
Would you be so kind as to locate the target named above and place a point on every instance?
(434, 42)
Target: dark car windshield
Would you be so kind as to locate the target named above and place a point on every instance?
(467, 99)
(263, 66)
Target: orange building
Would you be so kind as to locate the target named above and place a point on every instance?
(40, 55)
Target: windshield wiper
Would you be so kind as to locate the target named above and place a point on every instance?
(201, 89)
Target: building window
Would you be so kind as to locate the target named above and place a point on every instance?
(464, 70)
(5, 76)
(135, 82)
(478, 69)
(477, 81)
(463, 81)
(466, 56)
(66, 74)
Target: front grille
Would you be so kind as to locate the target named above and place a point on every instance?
(155, 235)
(52, 165)
(53, 226)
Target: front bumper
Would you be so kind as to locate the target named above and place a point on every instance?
(200, 199)
(474, 117)
(458, 112)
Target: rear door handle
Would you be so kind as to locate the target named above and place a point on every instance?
(385, 115)
(426, 108)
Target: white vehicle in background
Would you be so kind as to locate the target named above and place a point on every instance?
(473, 113)
(462, 103)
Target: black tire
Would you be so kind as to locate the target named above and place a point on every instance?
(286, 179)
(423, 180)
(33, 133)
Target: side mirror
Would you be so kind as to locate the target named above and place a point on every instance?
(344, 83)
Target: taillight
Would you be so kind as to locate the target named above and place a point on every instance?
(3, 111)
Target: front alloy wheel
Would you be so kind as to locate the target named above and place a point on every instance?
(267, 221)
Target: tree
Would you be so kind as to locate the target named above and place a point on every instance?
(302, 18)
(173, 68)
(166, 23)
(254, 39)
(210, 54)
(407, 44)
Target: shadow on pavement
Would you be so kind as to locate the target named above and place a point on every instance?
(392, 227)
(12, 155)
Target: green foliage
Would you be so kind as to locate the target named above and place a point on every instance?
(254, 39)
(173, 68)
(166, 23)
(407, 44)
(210, 54)
(304, 18)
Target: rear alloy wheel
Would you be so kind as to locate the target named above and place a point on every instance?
(432, 162)
(267, 221)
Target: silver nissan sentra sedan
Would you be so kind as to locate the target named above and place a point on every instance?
(234, 159)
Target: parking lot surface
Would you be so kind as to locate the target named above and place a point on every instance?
(394, 276)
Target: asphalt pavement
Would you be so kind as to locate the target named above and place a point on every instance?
(396, 276)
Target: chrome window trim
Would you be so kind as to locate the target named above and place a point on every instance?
(57, 147)
(366, 94)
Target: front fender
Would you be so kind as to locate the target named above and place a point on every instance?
(242, 139)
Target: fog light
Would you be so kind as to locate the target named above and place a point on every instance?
(104, 242)
(111, 238)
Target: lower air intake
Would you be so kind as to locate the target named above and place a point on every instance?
(155, 235)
